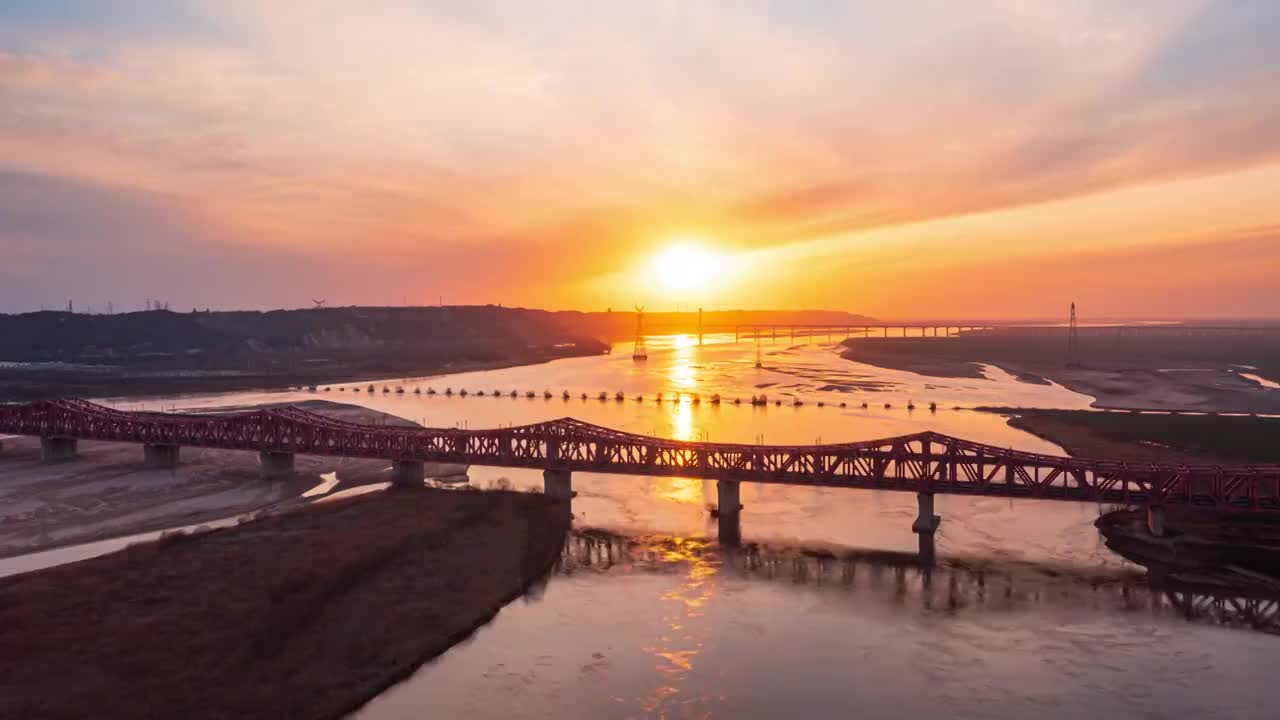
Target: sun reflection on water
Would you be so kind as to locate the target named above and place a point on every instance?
(682, 421)
(683, 355)
(677, 649)
(681, 490)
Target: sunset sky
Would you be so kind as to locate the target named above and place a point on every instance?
(915, 158)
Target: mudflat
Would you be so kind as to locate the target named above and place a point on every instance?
(304, 614)
(1151, 372)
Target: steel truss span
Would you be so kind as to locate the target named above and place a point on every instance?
(926, 462)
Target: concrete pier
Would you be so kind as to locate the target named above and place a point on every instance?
(557, 483)
(157, 457)
(728, 497)
(926, 522)
(927, 548)
(275, 464)
(728, 513)
(1155, 521)
(54, 449)
(408, 473)
(729, 530)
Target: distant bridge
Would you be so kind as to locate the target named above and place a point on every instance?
(832, 332)
(924, 463)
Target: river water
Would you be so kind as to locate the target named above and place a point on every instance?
(825, 611)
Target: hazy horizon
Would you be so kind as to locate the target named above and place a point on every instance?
(993, 160)
(1085, 320)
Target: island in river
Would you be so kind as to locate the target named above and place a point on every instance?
(308, 613)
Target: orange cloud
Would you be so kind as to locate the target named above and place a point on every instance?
(542, 156)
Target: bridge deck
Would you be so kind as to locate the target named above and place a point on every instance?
(922, 462)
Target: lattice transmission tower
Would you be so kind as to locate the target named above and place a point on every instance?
(639, 351)
(1073, 340)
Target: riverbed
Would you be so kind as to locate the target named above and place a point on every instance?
(671, 626)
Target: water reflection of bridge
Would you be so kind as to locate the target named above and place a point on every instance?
(947, 586)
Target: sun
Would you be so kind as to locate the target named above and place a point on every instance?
(686, 265)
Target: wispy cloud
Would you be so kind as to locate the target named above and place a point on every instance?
(588, 130)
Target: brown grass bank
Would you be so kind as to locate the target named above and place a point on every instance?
(1138, 437)
(308, 614)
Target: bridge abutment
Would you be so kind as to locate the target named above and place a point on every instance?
(275, 464)
(159, 457)
(557, 483)
(926, 522)
(408, 473)
(55, 449)
(1156, 520)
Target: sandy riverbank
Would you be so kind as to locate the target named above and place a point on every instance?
(107, 492)
(20, 383)
(308, 613)
(1194, 374)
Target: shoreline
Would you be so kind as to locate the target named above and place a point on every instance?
(1236, 552)
(1121, 382)
(383, 602)
(24, 385)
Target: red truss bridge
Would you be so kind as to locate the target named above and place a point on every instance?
(925, 463)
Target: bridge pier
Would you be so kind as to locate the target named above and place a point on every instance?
(728, 497)
(160, 457)
(557, 483)
(275, 464)
(408, 473)
(55, 449)
(926, 522)
(1156, 520)
(928, 548)
(729, 530)
(728, 513)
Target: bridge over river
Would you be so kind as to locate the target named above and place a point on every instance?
(926, 463)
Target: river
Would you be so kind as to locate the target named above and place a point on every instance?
(825, 612)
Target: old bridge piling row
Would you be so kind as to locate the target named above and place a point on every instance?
(677, 398)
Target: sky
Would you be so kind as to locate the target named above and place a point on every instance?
(912, 159)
